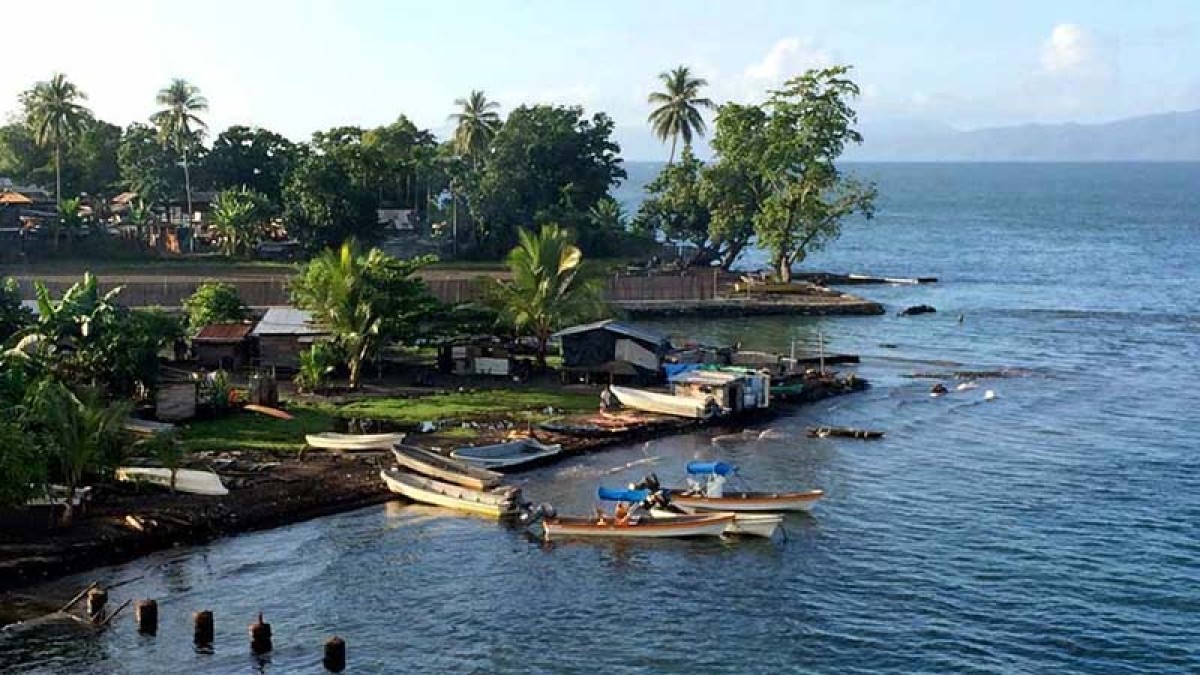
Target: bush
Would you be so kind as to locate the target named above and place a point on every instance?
(214, 302)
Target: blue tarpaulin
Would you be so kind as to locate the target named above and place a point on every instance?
(719, 468)
(674, 370)
(620, 495)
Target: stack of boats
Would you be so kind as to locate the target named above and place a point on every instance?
(429, 478)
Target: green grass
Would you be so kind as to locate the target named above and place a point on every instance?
(251, 431)
(490, 404)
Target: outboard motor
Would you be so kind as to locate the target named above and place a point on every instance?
(650, 482)
(533, 513)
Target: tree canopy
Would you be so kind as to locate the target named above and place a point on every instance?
(678, 113)
(55, 113)
(254, 158)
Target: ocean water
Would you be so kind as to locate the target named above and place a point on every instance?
(1055, 528)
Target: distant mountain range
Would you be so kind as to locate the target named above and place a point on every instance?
(1165, 137)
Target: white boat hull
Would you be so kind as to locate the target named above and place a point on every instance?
(663, 404)
(343, 442)
(445, 469)
(510, 455)
(498, 503)
(744, 524)
(186, 480)
(748, 502)
(712, 525)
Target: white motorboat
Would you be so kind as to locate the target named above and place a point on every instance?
(744, 524)
(711, 496)
(497, 502)
(191, 481)
(329, 440)
(664, 404)
(510, 455)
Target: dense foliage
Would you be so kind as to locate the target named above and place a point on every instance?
(240, 217)
(214, 302)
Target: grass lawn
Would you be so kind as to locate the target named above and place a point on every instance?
(251, 431)
(522, 404)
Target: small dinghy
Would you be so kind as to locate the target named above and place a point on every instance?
(191, 481)
(499, 502)
(711, 495)
(350, 442)
(438, 467)
(506, 456)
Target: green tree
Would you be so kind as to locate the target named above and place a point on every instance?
(82, 431)
(147, 167)
(316, 364)
(678, 112)
(22, 465)
(56, 114)
(93, 160)
(239, 216)
(475, 125)
(179, 123)
(786, 150)
(252, 157)
(324, 204)
(14, 316)
(546, 291)
(21, 158)
(214, 302)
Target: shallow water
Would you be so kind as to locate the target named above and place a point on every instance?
(1056, 528)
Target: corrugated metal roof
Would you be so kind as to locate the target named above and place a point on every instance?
(615, 327)
(224, 332)
(286, 321)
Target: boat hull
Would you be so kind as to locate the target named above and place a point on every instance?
(186, 480)
(663, 404)
(744, 524)
(494, 503)
(506, 456)
(748, 502)
(445, 469)
(352, 442)
(711, 525)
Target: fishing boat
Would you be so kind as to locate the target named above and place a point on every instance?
(743, 524)
(191, 481)
(349, 442)
(658, 505)
(442, 468)
(708, 525)
(499, 502)
(510, 455)
(711, 495)
(664, 404)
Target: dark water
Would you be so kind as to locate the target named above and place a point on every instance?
(1054, 529)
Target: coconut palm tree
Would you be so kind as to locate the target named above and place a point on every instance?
(546, 291)
(179, 123)
(56, 115)
(679, 105)
(477, 124)
(238, 216)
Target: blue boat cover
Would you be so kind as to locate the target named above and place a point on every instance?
(620, 495)
(675, 370)
(719, 468)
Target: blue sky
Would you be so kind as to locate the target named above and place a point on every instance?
(304, 65)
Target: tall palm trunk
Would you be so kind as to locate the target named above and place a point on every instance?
(187, 186)
(674, 139)
(57, 188)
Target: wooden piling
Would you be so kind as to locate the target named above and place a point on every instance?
(335, 655)
(145, 615)
(96, 599)
(260, 636)
(203, 622)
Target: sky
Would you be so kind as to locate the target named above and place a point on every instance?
(302, 65)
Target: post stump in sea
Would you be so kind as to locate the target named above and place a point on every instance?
(145, 615)
(335, 655)
(260, 636)
(96, 599)
(203, 622)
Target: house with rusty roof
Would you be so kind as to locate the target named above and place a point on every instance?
(226, 346)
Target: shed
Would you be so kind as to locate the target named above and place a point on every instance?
(282, 334)
(223, 345)
(608, 347)
(475, 355)
(734, 389)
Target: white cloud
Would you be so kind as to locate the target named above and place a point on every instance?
(1070, 50)
(787, 58)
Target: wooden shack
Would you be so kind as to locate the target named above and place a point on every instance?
(282, 334)
(224, 346)
(735, 390)
(475, 355)
(611, 348)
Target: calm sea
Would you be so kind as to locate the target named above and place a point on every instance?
(1053, 529)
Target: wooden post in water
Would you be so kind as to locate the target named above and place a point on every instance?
(96, 599)
(260, 636)
(335, 655)
(145, 615)
(203, 622)
(821, 350)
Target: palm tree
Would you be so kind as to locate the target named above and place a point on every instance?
(80, 429)
(179, 123)
(477, 124)
(335, 287)
(678, 112)
(56, 116)
(238, 216)
(546, 291)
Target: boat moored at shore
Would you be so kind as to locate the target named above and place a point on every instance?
(500, 502)
(436, 466)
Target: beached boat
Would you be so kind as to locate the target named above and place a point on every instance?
(497, 503)
(743, 524)
(442, 468)
(268, 411)
(506, 456)
(709, 525)
(191, 481)
(142, 427)
(349, 442)
(663, 404)
(711, 496)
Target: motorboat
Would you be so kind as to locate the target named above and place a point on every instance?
(509, 455)
(710, 495)
(443, 468)
(501, 502)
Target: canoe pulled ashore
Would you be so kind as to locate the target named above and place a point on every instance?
(496, 503)
(186, 480)
(329, 440)
(509, 455)
(708, 525)
(663, 404)
(442, 468)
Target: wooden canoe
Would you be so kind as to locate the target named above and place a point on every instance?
(496, 503)
(436, 466)
(741, 502)
(510, 455)
(186, 480)
(744, 524)
(269, 411)
(708, 525)
(333, 441)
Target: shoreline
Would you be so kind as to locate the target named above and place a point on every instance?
(293, 491)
